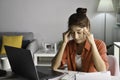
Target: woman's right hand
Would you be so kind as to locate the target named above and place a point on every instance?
(56, 62)
(66, 36)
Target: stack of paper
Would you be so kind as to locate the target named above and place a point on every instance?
(68, 75)
(57, 78)
(94, 76)
(74, 75)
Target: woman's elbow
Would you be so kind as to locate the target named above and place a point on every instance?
(102, 69)
(54, 68)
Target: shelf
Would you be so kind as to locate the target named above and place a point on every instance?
(43, 58)
(44, 65)
(45, 55)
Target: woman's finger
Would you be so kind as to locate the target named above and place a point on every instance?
(86, 32)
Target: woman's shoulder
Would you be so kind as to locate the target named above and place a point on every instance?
(99, 42)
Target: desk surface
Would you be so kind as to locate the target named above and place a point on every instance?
(10, 75)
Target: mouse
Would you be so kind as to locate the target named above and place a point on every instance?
(2, 73)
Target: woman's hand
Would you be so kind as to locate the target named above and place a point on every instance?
(66, 36)
(89, 36)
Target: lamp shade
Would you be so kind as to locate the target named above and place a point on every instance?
(105, 6)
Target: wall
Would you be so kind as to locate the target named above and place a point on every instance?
(48, 18)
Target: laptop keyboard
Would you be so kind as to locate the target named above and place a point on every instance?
(41, 75)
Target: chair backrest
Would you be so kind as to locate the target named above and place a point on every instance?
(113, 65)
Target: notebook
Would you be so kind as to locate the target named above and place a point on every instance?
(21, 63)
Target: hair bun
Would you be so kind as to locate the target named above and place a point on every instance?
(81, 10)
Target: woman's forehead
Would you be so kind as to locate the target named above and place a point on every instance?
(76, 27)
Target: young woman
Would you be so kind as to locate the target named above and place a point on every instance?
(83, 52)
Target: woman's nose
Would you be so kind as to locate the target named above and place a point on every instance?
(76, 36)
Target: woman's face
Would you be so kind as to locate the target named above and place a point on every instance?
(77, 34)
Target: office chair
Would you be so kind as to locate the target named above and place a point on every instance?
(113, 65)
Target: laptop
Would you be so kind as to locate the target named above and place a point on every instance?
(22, 64)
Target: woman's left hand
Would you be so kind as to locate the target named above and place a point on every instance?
(89, 36)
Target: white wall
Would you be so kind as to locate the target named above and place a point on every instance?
(48, 18)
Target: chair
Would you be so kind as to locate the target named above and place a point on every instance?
(113, 65)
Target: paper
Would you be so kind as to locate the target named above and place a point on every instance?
(115, 77)
(57, 78)
(68, 75)
(74, 75)
(67, 71)
(94, 76)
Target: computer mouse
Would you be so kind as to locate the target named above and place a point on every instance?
(2, 73)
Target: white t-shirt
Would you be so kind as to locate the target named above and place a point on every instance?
(78, 61)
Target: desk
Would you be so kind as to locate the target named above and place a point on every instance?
(42, 70)
(10, 76)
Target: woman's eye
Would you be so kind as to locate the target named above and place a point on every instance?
(79, 32)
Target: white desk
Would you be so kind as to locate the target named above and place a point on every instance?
(117, 50)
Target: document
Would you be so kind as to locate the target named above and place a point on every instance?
(68, 75)
(94, 76)
(75, 75)
(57, 78)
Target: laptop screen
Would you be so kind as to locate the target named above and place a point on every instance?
(21, 62)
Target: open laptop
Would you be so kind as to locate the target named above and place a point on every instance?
(21, 62)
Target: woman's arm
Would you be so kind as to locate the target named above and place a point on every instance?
(56, 62)
(58, 58)
(98, 61)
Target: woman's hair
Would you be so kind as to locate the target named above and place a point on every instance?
(79, 19)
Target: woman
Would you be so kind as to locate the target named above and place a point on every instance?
(82, 53)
